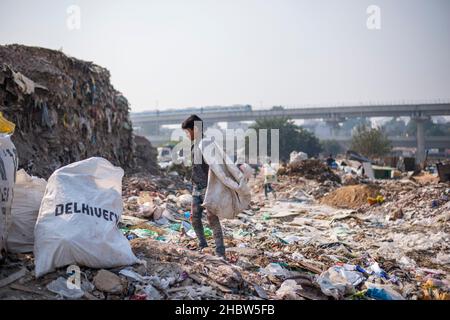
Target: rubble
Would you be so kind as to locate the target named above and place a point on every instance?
(350, 180)
(59, 286)
(145, 155)
(184, 201)
(288, 290)
(108, 282)
(311, 169)
(395, 214)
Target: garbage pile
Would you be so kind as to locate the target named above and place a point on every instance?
(294, 188)
(145, 155)
(299, 248)
(133, 239)
(64, 110)
(310, 169)
(292, 247)
(134, 184)
(174, 169)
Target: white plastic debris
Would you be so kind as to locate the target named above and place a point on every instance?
(288, 290)
(337, 281)
(63, 288)
(275, 269)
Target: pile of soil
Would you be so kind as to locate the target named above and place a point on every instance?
(425, 178)
(351, 197)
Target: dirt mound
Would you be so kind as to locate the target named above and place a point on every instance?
(312, 169)
(425, 178)
(352, 197)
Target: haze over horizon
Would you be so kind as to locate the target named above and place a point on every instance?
(176, 54)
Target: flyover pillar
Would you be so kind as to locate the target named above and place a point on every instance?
(333, 124)
(154, 129)
(420, 138)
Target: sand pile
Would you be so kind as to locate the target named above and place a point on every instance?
(351, 197)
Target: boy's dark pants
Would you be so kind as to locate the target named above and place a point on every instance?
(268, 188)
(213, 221)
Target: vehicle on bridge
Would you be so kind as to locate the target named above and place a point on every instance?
(196, 110)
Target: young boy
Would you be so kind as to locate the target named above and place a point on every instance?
(193, 126)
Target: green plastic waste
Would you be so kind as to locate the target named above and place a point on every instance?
(282, 241)
(266, 216)
(145, 233)
(282, 264)
(208, 232)
(175, 226)
(240, 234)
(359, 295)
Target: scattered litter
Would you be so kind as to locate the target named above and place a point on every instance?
(337, 281)
(108, 282)
(275, 269)
(382, 292)
(60, 286)
(288, 290)
(13, 277)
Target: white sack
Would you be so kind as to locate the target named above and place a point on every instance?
(8, 167)
(227, 193)
(247, 171)
(28, 194)
(77, 222)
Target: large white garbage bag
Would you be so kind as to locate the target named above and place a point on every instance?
(8, 167)
(227, 193)
(28, 194)
(77, 222)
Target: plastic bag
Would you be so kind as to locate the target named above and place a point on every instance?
(61, 287)
(8, 167)
(288, 290)
(77, 222)
(227, 193)
(382, 292)
(337, 281)
(28, 194)
(6, 127)
(275, 269)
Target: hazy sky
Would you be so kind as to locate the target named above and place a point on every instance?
(180, 53)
